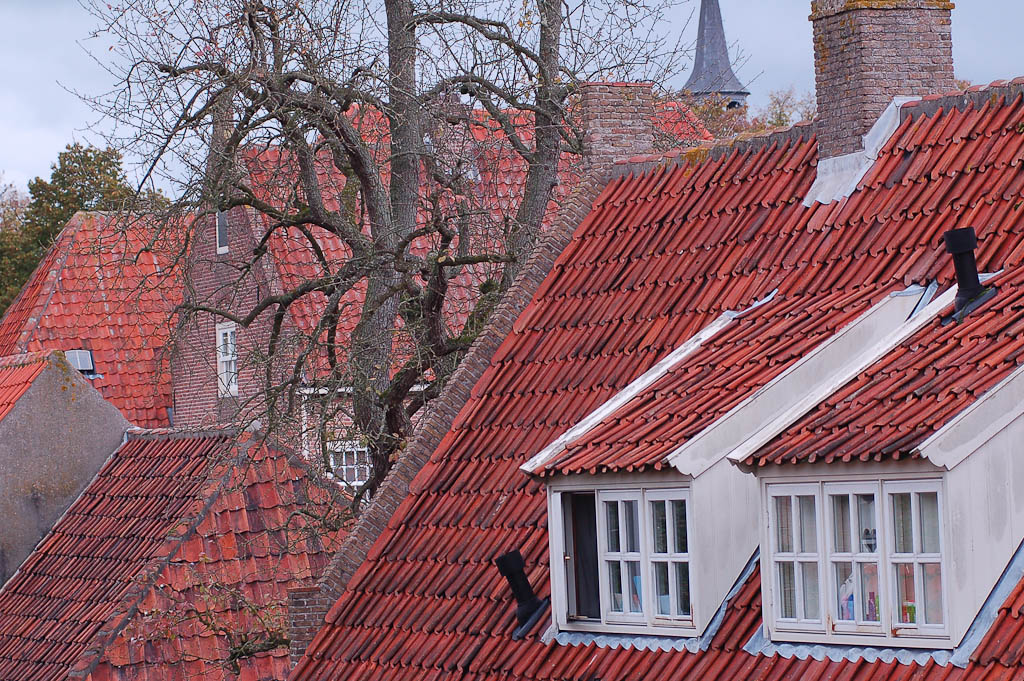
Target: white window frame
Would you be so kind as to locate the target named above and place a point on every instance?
(339, 447)
(856, 557)
(227, 362)
(647, 621)
(915, 557)
(797, 557)
(831, 628)
(222, 246)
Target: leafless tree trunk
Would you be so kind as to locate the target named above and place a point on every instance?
(371, 136)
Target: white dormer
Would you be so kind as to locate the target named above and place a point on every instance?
(657, 552)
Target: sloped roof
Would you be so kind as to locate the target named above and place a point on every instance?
(90, 292)
(16, 375)
(895, 404)
(171, 525)
(661, 255)
(494, 198)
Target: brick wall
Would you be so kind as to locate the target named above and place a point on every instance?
(619, 124)
(617, 120)
(866, 52)
(214, 279)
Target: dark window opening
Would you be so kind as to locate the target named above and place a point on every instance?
(222, 232)
(581, 566)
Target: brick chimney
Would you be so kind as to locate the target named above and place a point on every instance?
(618, 121)
(866, 53)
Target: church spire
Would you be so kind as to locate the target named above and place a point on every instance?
(712, 71)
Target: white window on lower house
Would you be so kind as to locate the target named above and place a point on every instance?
(857, 558)
(627, 561)
(350, 461)
(227, 360)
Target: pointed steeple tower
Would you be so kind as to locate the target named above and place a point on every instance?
(712, 71)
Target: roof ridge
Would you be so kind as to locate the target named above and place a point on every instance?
(68, 231)
(145, 579)
(180, 433)
(978, 95)
(25, 358)
(715, 149)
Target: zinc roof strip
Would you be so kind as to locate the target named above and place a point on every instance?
(637, 386)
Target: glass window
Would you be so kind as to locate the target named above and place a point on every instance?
(627, 557)
(222, 232)
(880, 561)
(227, 360)
(350, 460)
(916, 555)
(795, 554)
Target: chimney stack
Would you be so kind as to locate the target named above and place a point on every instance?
(618, 121)
(866, 53)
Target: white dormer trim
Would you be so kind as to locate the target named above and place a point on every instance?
(626, 394)
(636, 387)
(839, 176)
(973, 427)
(769, 411)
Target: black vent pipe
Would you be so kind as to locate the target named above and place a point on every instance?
(529, 608)
(960, 243)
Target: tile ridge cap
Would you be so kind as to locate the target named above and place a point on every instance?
(716, 149)
(978, 95)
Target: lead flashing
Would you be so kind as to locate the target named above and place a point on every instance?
(839, 176)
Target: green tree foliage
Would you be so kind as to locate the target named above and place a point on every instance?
(83, 178)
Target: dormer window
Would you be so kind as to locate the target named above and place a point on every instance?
(222, 232)
(227, 360)
(851, 558)
(626, 559)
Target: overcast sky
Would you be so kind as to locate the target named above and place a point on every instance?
(40, 58)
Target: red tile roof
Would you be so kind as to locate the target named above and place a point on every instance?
(16, 375)
(501, 180)
(91, 293)
(172, 525)
(896, 403)
(723, 372)
(661, 255)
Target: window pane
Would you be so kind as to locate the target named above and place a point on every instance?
(584, 554)
(615, 585)
(787, 591)
(783, 524)
(808, 525)
(809, 577)
(660, 529)
(932, 593)
(869, 591)
(661, 592)
(928, 505)
(632, 527)
(682, 571)
(612, 513)
(679, 513)
(902, 519)
(635, 592)
(841, 524)
(866, 526)
(905, 601)
(844, 596)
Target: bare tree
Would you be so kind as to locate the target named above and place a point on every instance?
(374, 126)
